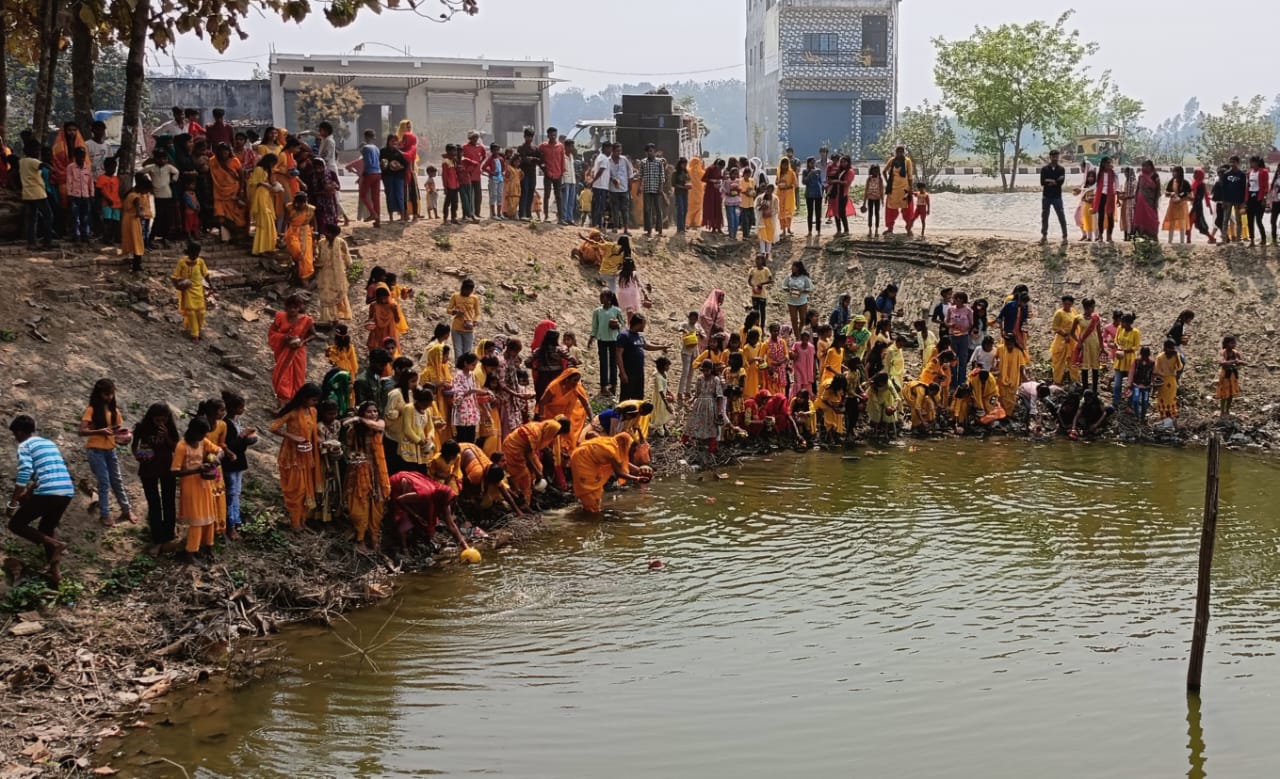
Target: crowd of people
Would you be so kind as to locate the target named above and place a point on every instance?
(1132, 198)
(379, 440)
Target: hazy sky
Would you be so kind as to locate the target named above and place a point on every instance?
(712, 32)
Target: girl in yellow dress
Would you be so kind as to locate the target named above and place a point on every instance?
(135, 216)
(1168, 365)
(189, 277)
(1011, 371)
(786, 184)
(753, 358)
(195, 465)
(831, 394)
(1084, 212)
(1177, 219)
(262, 192)
(1229, 362)
(300, 222)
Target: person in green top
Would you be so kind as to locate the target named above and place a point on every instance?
(606, 323)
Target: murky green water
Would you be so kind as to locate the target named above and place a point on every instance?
(961, 610)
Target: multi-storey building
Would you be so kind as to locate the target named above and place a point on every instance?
(820, 73)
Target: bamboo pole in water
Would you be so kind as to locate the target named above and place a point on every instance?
(1207, 536)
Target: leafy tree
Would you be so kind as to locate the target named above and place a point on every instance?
(108, 87)
(1121, 117)
(1001, 82)
(333, 103)
(928, 135)
(1242, 129)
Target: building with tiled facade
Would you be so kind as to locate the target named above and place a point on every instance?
(820, 73)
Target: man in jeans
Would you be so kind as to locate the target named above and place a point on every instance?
(35, 198)
(371, 179)
(552, 157)
(653, 174)
(600, 185)
(42, 491)
(1052, 177)
(473, 150)
(1231, 207)
(569, 184)
(620, 174)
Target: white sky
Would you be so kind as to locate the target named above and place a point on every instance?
(1163, 72)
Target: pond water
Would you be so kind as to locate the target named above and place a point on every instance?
(971, 609)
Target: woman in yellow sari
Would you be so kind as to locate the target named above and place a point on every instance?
(273, 144)
(437, 372)
(566, 395)
(228, 194)
(696, 169)
(510, 188)
(262, 206)
(300, 224)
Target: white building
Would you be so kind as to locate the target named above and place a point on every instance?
(820, 73)
(444, 98)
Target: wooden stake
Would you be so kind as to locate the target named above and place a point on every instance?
(1207, 535)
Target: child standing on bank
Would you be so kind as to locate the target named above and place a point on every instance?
(449, 177)
(189, 277)
(872, 194)
(1229, 362)
(922, 205)
(239, 439)
(433, 197)
(1141, 375)
(195, 463)
(103, 426)
(109, 188)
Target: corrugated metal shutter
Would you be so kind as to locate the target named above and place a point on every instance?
(450, 116)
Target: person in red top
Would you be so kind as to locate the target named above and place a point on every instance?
(449, 177)
(109, 188)
(219, 131)
(473, 150)
(194, 128)
(552, 170)
(417, 501)
(1104, 199)
(468, 170)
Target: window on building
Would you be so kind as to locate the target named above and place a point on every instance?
(821, 42)
(875, 41)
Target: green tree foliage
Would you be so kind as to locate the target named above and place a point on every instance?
(328, 102)
(1002, 82)
(1243, 129)
(108, 88)
(1121, 117)
(928, 135)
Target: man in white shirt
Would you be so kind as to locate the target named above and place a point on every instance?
(175, 126)
(620, 175)
(600, 185)
(163, 176)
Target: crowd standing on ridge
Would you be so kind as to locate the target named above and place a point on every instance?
(381, 441)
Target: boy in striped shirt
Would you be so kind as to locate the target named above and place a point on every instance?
(42, 491)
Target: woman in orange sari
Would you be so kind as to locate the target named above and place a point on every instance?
(229, 202)
(300, 225)
(567, 396)
(288, 338)
(384, 320)
(299, 457)
(696, 169)
(522, 453)
(598, 460)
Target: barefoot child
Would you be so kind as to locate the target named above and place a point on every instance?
(922, 205)
(102, 425)
(42, 491)
(872, 194)
(108, 187)
(433, 197)
(189, 277)
(1168, 366)
(1141, 374)
(663, 401)
(1229, 362)
(239, 439)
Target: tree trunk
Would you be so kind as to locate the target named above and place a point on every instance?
(1004, 175)
(134, 76)
(43, 101)
(83, 54)
(1017, 156)
(4, 77)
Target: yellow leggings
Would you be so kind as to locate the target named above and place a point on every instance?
(833, 420)
(193, 321)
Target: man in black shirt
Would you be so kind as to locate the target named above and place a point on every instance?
(529, 158)
(1052, 177)
(1234, 187)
